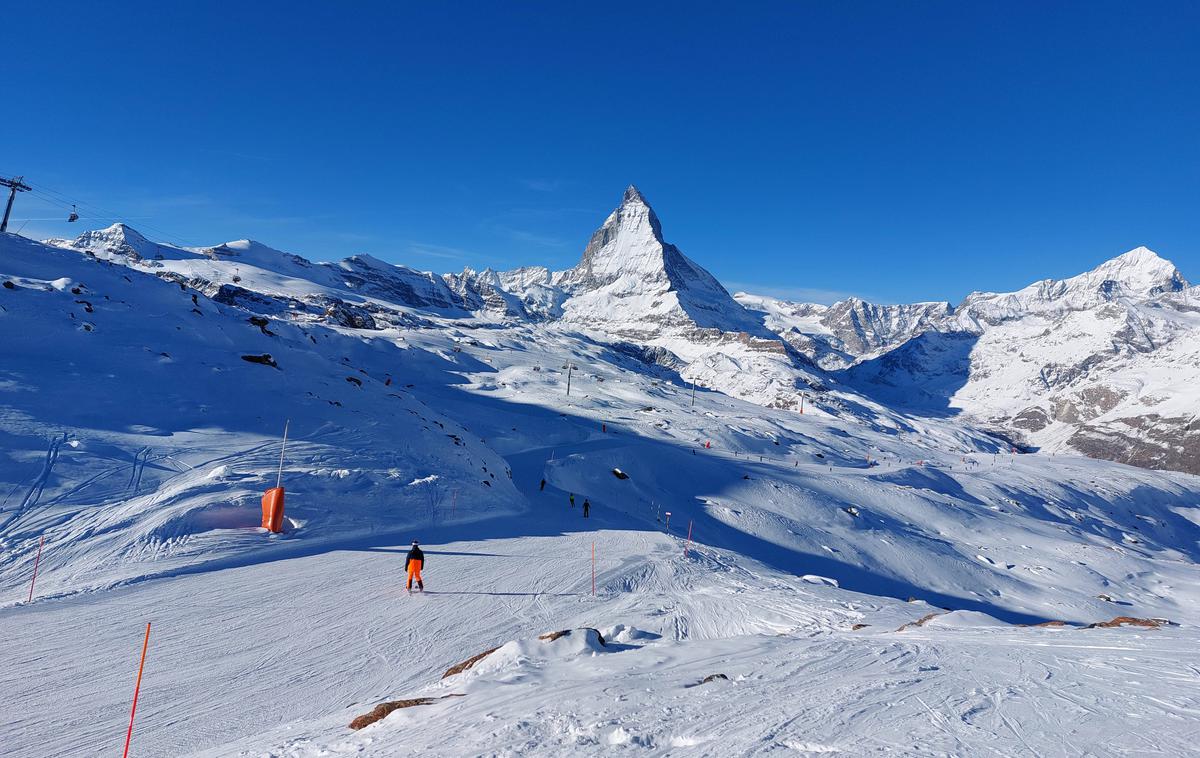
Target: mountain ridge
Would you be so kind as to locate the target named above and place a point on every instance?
(1095, 351)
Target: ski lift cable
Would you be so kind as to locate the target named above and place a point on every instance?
(63, 200)
(70, 207)
(48, 194)
(73, 214)
(107, 214)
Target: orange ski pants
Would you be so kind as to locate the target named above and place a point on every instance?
(414, 573)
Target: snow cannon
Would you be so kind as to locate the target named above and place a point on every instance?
(272, 510)
(272, 500)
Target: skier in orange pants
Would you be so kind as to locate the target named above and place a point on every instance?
(416, 559)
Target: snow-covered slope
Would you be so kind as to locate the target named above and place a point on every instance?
(137, 438)
(140, 434)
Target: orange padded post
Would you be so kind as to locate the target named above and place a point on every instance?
(272, 510)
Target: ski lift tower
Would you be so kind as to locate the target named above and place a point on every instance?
(14, 185)
(570, 366)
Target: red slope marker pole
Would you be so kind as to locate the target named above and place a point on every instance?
(35, 566)
(689, 539)
(136, 688)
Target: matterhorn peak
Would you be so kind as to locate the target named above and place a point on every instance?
(629, 274)
(634, 195)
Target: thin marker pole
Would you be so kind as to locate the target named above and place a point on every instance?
(279, 478)
(593, 569)
(36, 560)
(136, 689)
(689, 539)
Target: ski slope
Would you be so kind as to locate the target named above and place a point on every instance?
(139, 448)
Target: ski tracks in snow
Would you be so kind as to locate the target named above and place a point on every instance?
(34, 494)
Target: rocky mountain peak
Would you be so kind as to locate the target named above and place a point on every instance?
(1135, 275)
(1139, 272)
(117, 239)
(631, 275)
(633, 195)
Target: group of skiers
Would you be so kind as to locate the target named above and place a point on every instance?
(416, 558)
(587, 505)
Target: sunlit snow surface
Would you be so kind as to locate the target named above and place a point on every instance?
(137, 440)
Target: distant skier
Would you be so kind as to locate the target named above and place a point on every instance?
(416, 560)
(587, 506)
(543, 487)
(572, 499)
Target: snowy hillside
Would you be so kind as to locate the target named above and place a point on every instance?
(859, 578)
(141, 424)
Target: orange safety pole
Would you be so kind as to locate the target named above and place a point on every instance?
(689, 540)
(593, 569)
(35, 566)
(136, 688)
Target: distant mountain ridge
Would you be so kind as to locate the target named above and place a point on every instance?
(1103, 362)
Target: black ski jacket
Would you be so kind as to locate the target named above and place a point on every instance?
(414, 555)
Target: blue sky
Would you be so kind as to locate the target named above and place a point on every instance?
(899, 151)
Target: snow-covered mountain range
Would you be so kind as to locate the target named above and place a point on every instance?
(859, 576)
(1103, 363)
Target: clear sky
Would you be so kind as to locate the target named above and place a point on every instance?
(897, 150)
